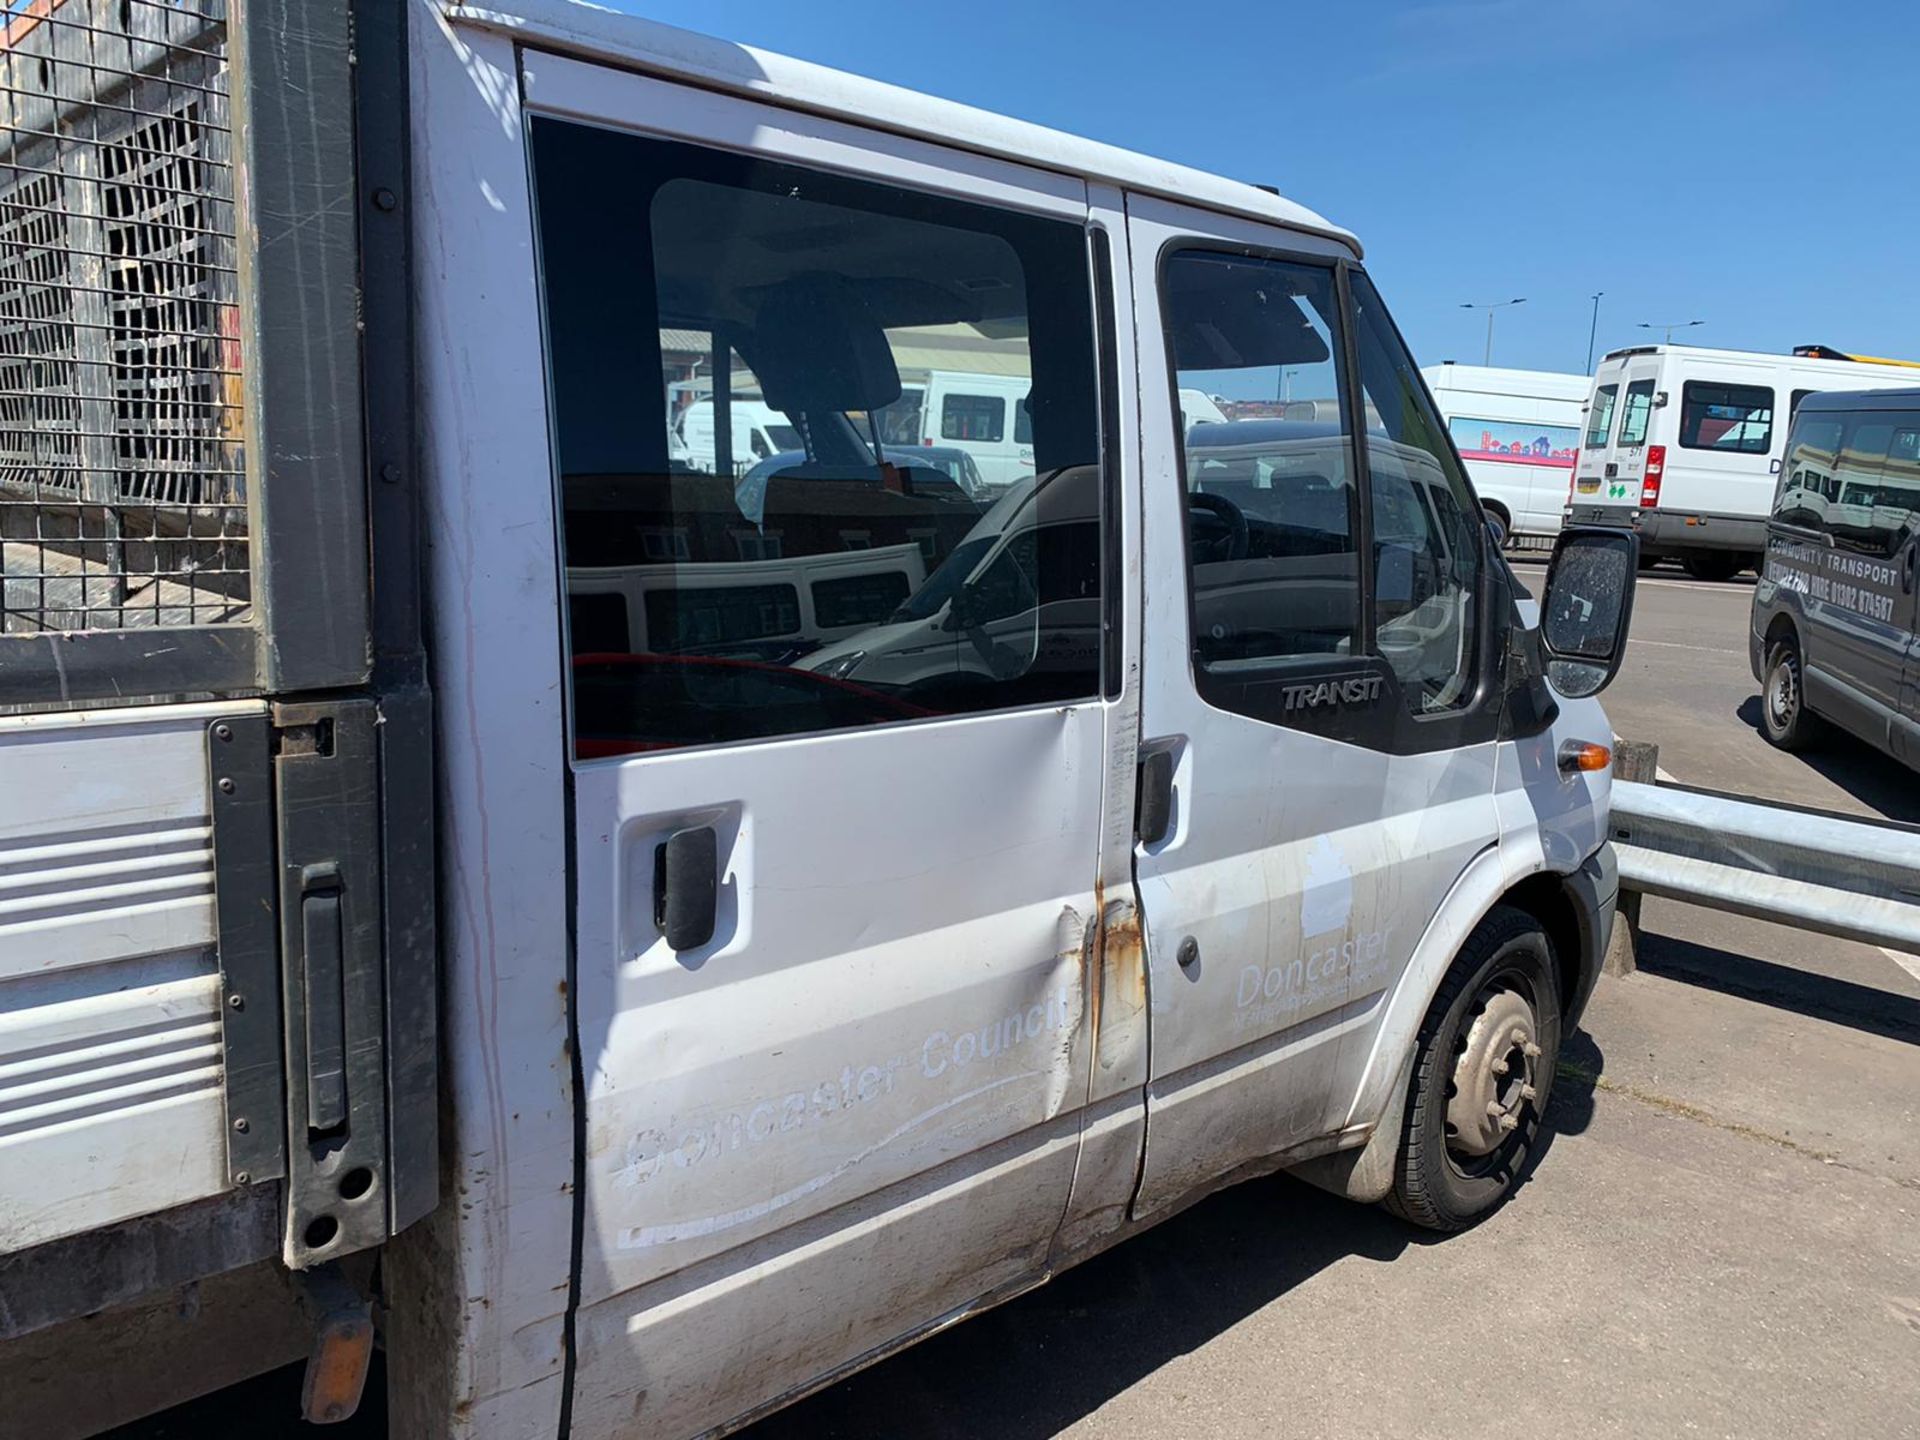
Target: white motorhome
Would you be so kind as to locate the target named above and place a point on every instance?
(1683, 444)
(408, 901)
(1518, 432)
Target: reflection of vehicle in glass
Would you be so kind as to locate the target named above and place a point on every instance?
(1836, 614)
(773, 607)
(1018, 598)
(758, 431)
(1518, 432)
(1683, 444)
(986, 416)
(940, 472)
(631, 704)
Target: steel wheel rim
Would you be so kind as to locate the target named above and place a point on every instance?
(1783, 693)
(1495, 1084)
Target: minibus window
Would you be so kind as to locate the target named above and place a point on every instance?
(1636, 413)
(981, 418)
(1600, 419)
(739, 427)
(1272, 567)
(1426, 534)
(1022, 422)
(1736, 418)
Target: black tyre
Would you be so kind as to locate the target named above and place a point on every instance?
(1784, 717)
(1713, 565)
(1647, 562)
(1482, 1076)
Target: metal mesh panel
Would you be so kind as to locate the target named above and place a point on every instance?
(122, 494)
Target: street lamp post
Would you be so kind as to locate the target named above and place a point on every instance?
(1490, 307)
(1593, 329)
(1669, 326)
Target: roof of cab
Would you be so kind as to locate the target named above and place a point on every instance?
(577, 28)
(1891, 399)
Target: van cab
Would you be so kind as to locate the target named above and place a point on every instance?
(1835, 617)
(702, 920)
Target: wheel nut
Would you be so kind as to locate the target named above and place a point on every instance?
(1495, 1109)
(1500, 1067)
(1507, 1122)
(1530, 1050)
(1527, 1092)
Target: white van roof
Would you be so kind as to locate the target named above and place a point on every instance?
(1494, 380)
(1758, 357)
(571, 27)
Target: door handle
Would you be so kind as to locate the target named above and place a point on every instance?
(322, 956)
(686, 887)
(1908, 566)
(1153, 799)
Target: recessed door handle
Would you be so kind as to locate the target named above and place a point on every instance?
(1153, 800)
(686, 887)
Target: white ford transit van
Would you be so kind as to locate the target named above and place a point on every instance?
(674, 948)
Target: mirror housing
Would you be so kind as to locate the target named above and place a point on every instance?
(1587, 607)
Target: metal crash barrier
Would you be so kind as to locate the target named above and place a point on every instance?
(1852, 878)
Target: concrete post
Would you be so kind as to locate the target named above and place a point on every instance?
(1632, 760)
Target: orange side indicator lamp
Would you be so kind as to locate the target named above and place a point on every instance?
(342, 1346)
(1578, 755)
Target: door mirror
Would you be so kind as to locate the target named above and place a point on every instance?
(1587, 608)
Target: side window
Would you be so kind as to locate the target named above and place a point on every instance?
(1273, 569)
(1806, 481)
(1022, 422)
(786, 560)
(980, 418)
(1426, 535)
(1600, 416)
(1793, 406)
(1873, 484)
(1734, 418)
(1636, 413)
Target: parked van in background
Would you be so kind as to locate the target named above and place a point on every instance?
(759, 430)
(1834, 627)
(1684, 444)
(823, 953)
(1518, 432)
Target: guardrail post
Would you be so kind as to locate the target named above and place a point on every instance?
(1632, 760)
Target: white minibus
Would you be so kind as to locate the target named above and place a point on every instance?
(645, 945)
(1684, 444)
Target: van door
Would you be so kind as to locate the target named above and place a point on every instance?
(1313, 670)
(832, 929)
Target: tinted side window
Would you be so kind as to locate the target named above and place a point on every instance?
(1426, 532)
(738, 438)
(1876, 484)
(1600, 416)
(973, 417)
(1636, 413)
(1736, 418)
(1806, 480)
(1273, 569)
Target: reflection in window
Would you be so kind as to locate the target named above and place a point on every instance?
(1273, 567)
(1636, 413)
(761, 536)
(1426, 530)
(1726, 417)
(1600, 417)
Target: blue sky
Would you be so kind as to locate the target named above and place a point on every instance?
(1751, 163)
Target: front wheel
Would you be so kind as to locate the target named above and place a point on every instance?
(1482, 1076)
